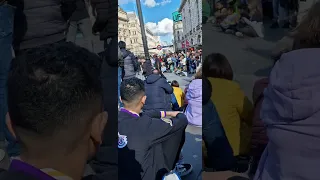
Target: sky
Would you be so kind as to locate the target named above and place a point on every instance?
(157, 16)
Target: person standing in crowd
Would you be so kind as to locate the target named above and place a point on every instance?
(158, 91)
(149, 144)
(120, 73)
(194, 98)
(147, 68)
(280, 14)
(234, 108)
(290, 109)
(49, 89)
(6, 24)
(157, 63)
(80, 20)
(206, 11)
(130, 62)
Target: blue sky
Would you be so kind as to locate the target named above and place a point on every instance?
(157, 15)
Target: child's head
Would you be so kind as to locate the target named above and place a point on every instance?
(175, 83)
(217, 65)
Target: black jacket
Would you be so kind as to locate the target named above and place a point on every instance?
(147, 67)
(106, 18)
(130, 64)
(142, 158)
(45, 25)
(220, 154)
(158, 92)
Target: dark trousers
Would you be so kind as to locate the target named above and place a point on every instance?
(173, 146)
(171, 149)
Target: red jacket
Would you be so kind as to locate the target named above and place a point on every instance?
(259, 136)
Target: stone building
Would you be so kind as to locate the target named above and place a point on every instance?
(191, 11)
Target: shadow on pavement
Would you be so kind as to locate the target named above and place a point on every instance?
(192, 151)
(264, 72)
(265, 53)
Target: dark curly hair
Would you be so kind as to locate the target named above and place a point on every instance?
(54, 89)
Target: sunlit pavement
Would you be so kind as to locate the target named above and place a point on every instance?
(249, 57)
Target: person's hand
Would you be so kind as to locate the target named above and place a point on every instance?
(172, 113)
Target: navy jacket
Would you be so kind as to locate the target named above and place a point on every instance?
(158, 92)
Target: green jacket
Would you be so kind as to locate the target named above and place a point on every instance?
(206, 10)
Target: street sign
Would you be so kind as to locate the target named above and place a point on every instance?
(159, 47)
(176, 16)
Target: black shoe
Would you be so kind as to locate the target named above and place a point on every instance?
(274, 25)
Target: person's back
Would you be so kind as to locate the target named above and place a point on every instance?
(49, 89)
(148, 145)
(194, 97)
(219, 152)
(235, 111)
(179, 95)
(147, 67)
(129, 60)
(38, 22)
(291, 112)
(158, 91)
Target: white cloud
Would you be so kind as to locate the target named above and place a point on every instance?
(153, 3)
(162, 28)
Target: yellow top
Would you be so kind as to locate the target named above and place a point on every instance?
(235, 111)
(179, 94)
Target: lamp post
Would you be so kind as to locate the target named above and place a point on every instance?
(143, 31)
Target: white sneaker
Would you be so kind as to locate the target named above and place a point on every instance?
(257, 26)
(183, 169)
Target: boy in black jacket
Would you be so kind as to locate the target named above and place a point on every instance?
(149, 144)
(55, 112)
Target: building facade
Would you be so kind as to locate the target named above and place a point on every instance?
(191, 12)
(123, 27)
(177, 35)
(129, 31)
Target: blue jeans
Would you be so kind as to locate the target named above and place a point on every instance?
(119, 83)
(6, 30)
(279, 13)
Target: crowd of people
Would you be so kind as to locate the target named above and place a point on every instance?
(159, 107)
(246, 17)
(275, 136)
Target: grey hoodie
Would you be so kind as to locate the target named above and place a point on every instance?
(291, 113)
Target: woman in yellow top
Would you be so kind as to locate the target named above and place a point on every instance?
(234, 108)
(178, 93)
